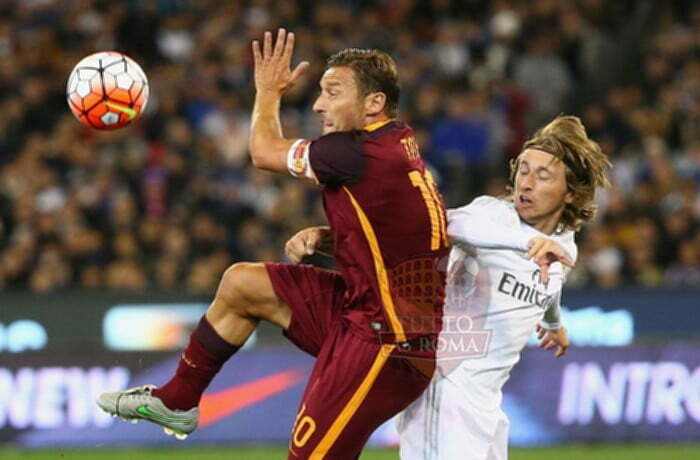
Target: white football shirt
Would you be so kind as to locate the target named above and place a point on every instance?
(498, 290)
(494, 300)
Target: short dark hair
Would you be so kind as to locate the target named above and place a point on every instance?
(375, 71)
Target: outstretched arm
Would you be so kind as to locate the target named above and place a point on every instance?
(484, 223)
(471, 228)
(273, 77)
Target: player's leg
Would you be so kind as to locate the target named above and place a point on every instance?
(355, 386)
(444, 424)
(418, 425)
(315, 298)
(245, 296)
(499, 446)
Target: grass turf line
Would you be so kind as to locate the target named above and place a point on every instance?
(574, 452)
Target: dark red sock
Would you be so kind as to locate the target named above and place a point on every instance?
(201, 360)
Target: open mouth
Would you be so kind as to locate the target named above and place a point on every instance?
(525, 200)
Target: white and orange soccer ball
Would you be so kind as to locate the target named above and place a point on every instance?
(107, 90)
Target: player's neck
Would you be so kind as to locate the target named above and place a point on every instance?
(547, 225)
(373, 122)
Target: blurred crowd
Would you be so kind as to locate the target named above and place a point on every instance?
(171, 201)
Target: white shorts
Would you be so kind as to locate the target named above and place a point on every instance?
(443, 424)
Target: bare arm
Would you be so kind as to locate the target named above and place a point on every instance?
(544, 252)
(273, 77)
(550, 338)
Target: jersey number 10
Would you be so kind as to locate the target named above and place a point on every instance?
(431, 196)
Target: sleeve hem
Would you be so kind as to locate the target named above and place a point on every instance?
(550, 326)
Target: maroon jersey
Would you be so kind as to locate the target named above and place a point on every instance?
(388, 223)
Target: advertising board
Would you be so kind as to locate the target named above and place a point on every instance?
(594, 394)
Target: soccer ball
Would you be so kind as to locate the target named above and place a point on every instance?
(107, 90)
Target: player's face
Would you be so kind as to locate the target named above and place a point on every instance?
(339, 103)
(541, 192)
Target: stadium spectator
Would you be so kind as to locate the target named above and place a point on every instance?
(171, 200)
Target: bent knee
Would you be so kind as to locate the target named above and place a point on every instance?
(240, 279)
(246, 286)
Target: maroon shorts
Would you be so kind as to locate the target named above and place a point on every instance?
(355, 385)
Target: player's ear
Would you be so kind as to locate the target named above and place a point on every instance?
(375, 103)
(569, 197)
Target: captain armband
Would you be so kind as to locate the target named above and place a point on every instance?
(298, 162)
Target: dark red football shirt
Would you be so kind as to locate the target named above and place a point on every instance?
(389, 228)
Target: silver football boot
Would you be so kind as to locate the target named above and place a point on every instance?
(138, 403)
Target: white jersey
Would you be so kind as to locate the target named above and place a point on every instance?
(498, 294)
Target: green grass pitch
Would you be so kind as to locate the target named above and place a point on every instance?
(602, 452)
